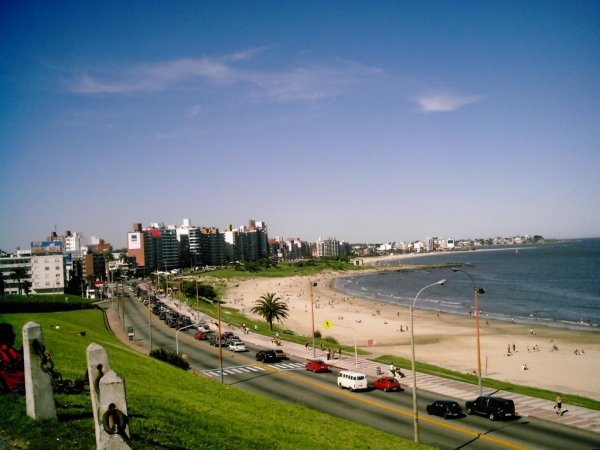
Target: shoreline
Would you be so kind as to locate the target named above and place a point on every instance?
(377, 326)
(531, 321)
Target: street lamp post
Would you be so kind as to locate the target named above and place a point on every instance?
(414, 372)
(177, 336)
(312, 313)
(476, 292)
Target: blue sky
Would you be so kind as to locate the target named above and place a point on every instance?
(367, 121)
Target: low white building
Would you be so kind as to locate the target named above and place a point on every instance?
(47, 274)
(21, 259)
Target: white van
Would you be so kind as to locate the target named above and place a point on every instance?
(352, 380)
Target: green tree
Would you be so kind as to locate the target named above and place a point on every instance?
(75, 284)
(108, 257)
(19, 273)
(270, 307)
(2, 285)
(26, 287)
(204, 290)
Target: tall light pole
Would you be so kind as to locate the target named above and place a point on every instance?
(414, 372)
(476, 291)
(177, 336)
(312, 313)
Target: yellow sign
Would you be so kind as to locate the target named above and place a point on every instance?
(328, 324)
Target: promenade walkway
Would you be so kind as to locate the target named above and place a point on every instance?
(574, 416)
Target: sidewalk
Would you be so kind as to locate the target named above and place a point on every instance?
(574, 416)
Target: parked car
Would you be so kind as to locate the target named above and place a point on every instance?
(201, 336)
(204, 328)
(231, 338)
(492, 407)
(266, 356)
(387, 384)
(445, 409)
(316, 366)
(237, 346)
(280, 354)
(216, 340)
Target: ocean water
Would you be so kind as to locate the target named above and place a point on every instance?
(555, 284)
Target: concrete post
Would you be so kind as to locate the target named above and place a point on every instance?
(113, 413)
(39, 395)
(107, 392)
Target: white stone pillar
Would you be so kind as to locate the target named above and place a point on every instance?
(39, 395)
(107, 392)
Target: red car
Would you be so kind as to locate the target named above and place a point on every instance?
(387, 384)
(200, 336)
(316, 365)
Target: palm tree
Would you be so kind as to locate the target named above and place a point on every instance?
(270, 307)
(18, 274)
(108, 257)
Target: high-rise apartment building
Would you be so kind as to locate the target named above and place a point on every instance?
(329, 247)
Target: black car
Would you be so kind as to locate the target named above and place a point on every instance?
(445, 408)
(216, 340)
(266, 356)
(492, 407)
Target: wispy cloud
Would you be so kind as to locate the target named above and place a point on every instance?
(444, 102)
(316, 82)
(194, 111)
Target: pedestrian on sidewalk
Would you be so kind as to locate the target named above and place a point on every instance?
(558, 405)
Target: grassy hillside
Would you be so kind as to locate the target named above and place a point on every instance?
(169, 408)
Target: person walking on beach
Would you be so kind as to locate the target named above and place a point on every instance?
(558, 405)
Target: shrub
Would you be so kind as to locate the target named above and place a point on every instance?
(170, 357)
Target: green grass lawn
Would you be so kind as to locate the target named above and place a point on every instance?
(168, 407)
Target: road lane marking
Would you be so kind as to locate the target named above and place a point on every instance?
(281, 367)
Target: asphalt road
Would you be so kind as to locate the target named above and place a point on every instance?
(390, 412)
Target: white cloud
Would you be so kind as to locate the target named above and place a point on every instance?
(444, 102)
(194, 111)
(295, 84)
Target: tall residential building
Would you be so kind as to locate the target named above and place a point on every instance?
(212, 247)
(135, 244)
(289, 249)
(154, 248)
(329, 247)
(247, 243)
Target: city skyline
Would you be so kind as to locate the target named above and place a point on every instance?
(368, 122)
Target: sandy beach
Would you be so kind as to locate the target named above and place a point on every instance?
(443, 339)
